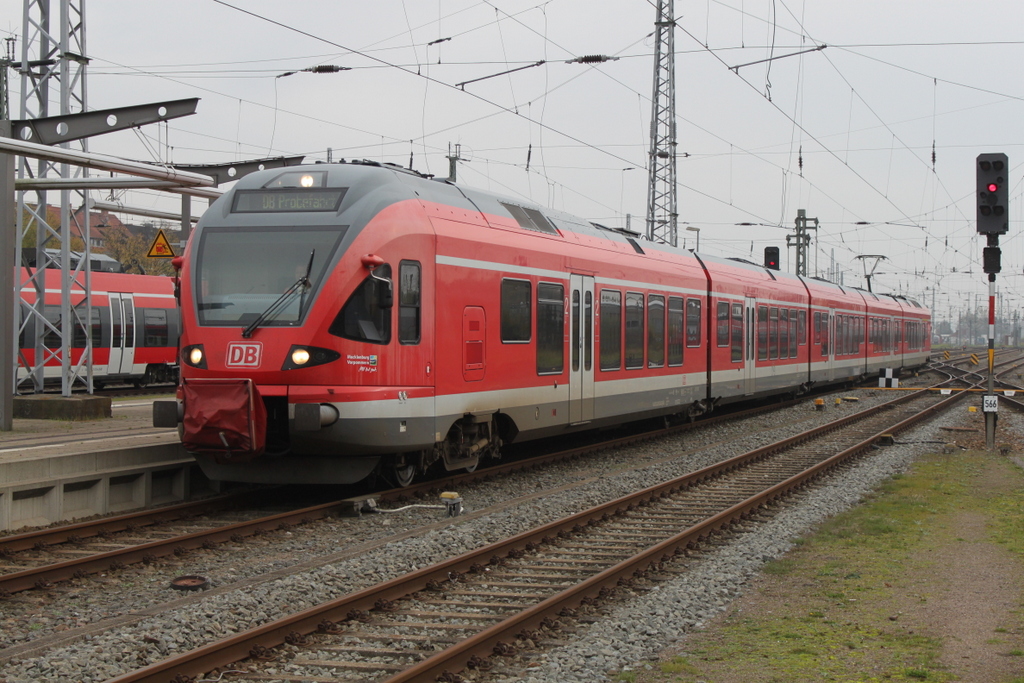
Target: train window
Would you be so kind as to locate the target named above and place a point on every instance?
(574, 343)
(634, 330)
(78, 341)
(51, 339)
(773, 333)
(825, 323)
(784, 333)
(154, 327)
(693, 322)
(515, 311)
(817, 327)
(722, 334)
(737, 333)
(655, 331)
(241, 272)
(792, 333)
(362, 318)
(588, 331)
(675, 331)
(23, 327)
(801, 327)
(762, 333)
(550, 329)
(129, 323)
(611, 329)
(409, 302)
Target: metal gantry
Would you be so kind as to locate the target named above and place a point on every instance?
(661, 190)
(802, 240)
(59, 58)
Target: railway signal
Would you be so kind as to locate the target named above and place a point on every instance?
(992, 196)
(993, 220)
(771, 258)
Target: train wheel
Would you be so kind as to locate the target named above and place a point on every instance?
(472, 468)
(404, 474)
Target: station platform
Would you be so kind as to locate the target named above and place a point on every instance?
(60, 470)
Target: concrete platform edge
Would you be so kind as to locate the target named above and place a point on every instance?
(42, 491)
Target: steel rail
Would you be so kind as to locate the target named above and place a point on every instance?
(146, 552)
(485, 642)
(42, 539)
(238, 647)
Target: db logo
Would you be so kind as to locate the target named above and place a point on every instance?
(244, 354)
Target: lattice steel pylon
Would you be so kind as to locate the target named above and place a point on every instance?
(48, 58)
(661, 189)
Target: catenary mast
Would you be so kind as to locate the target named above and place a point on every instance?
(55, 59)
(661, 189)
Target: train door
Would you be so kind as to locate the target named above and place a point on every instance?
(749, 374)
(830, 345)
(581, 345)
(122, 334)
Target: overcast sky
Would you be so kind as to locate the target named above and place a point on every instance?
(896, 78)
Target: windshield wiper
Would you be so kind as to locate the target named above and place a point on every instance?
(302, 283)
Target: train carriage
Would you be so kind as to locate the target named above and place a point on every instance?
(916, 333)
(133, 328)
(760, 330)
(342, 319)
(881, 332)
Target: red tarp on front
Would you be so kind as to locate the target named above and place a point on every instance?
(224, 418)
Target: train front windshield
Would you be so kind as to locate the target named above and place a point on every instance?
(241, 272)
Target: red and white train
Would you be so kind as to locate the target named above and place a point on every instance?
(339, 319)
(134, 328)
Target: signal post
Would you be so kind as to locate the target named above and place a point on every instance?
(993, 221)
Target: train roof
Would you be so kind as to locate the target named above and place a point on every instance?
(379, 185)
(376, 185)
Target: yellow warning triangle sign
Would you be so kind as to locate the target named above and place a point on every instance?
(161, 248)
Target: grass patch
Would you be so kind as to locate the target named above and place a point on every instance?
(779, 567)
(832, 609)
(679, 665)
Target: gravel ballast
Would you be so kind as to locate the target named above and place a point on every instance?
(158, 622)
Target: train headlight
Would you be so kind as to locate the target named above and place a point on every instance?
(194, 356)
(300, 356)
(306, 181)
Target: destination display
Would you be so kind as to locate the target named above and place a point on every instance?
(287, 200)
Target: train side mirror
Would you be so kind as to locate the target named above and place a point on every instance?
(385, 288)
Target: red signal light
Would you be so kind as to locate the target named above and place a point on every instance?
(992, 187)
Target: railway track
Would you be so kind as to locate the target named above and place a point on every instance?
(471, 610)
(40, 558)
